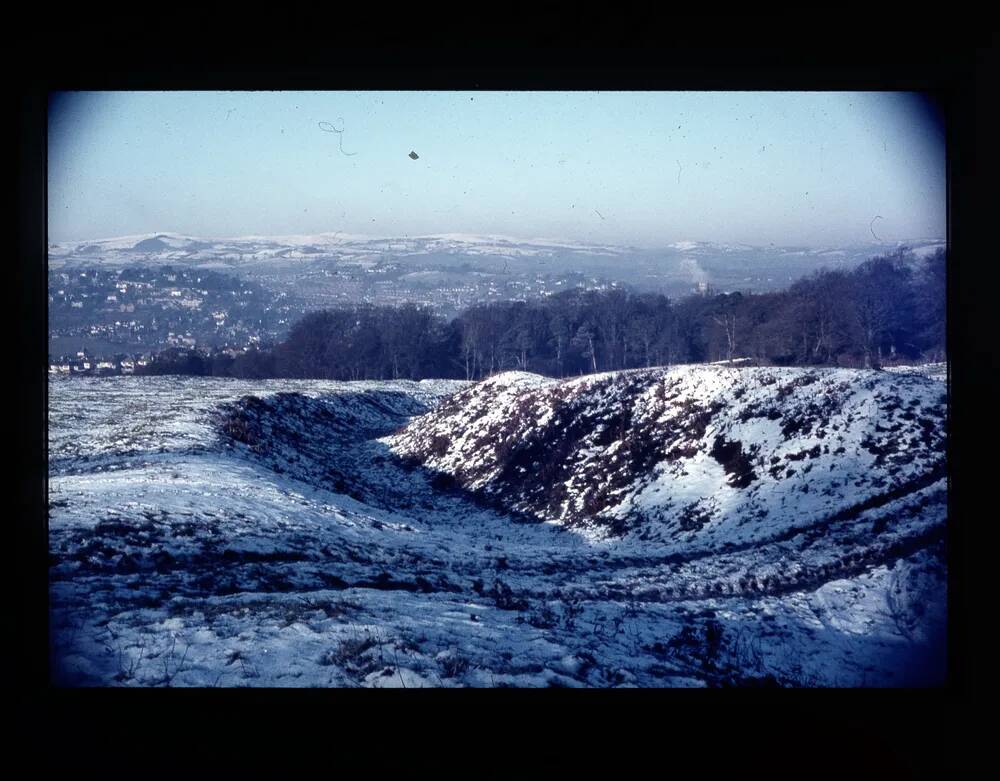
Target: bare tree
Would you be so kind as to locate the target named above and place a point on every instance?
(728, 323)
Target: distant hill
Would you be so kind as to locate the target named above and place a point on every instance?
(149, 245)
(738, 266)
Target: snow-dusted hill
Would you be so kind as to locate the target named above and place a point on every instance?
(249, 251)
(691, 454)
(213, 532)
(335, 268)
(699, 260)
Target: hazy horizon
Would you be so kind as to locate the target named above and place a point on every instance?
(627, 168)
(341, 236)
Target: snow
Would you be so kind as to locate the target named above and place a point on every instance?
(936, 371)
(275, 249)
(310, 555)
(803, 430)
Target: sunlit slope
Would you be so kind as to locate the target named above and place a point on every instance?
(703, 453)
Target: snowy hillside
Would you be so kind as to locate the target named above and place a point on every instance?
(212, 532)
(692, 454)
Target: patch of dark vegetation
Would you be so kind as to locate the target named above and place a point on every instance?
(543, 617)
(352, 655)
(128, 565)
(737, 463)
(814, 414)
(333, 581)
(751, 681)
(444, 482)
(441, 583)
(124, 533)
(759, 410)
(701, 642)
(424, 585)
(239, 424)
(245, 557)
(929, 432)
(439, 445)
(505, 598)
(694, 517)
(453, 666)
(385, 582)
(812, 452)
(618, 526)
(783, 391)
(795, 424)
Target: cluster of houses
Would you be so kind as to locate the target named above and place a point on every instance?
(181, 340)
(84, 364)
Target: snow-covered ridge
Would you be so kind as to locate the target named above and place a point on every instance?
(691, 454)
(168, 416)
(169, 248)
(172, 248)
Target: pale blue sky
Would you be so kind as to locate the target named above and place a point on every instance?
(639, 168)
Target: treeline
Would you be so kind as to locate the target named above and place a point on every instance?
(889, 309)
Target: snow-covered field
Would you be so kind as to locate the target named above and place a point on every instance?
(215, 532)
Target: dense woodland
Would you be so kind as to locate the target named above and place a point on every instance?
(889, 309)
